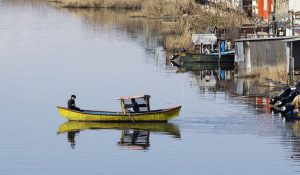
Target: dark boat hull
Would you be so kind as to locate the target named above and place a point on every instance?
(208, 58)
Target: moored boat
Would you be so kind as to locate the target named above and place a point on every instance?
(144, 115)
(185, 67)
(225, 57)
(286, 102)
(292, 114)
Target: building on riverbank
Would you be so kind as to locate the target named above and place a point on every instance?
(280, 17)
(287, 16)
(292, 54)
(254, 53)
(257, 8)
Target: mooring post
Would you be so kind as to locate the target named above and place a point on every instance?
(291, 66)
(219, 62)
(291, 72)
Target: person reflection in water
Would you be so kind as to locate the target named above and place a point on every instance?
(71, 103)
(71, 138)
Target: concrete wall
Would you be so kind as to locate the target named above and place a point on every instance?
(296, 55)
(254, 53)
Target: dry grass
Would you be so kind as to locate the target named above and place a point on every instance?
(156, 8)
(204, 19)
(179, 39)
(276, 74)
(176, 27)
(163, 8)
(181, 17)
(267, 75)
(149, 7)
(116, 4)
(182, 28)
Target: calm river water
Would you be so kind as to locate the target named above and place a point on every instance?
(47, 54)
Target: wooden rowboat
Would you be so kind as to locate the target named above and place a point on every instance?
(162, 115)
(144, 114)
(226, 57)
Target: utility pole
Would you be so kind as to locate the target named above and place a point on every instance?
(291, 18)
(291, 15)
(274, 6)
(293, 23)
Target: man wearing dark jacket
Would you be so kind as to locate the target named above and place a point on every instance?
(135, 106)
(71, 103)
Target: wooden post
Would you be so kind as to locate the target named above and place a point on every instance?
(291, 72)
(247, 57)
(201, 48)
(219, 61)
(148, 102)
(123, 106)
(291, 65)
(293, 23)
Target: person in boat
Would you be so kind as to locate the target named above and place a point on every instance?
(222, 46)
(182, 50)
(135, 105)
(71, 103)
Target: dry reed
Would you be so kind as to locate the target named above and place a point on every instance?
(163, 8)
(266, 75)
(179, 39)
(116, 4)
(181, 17)
(154, 8)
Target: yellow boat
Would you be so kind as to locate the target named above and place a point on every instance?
(145, 114)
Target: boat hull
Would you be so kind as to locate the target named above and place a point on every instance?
(203, 66)
(103, 116)
(212, 58)
(289, 115)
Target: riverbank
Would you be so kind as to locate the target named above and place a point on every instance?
(177, 23)
(47, 54)
(179, 18)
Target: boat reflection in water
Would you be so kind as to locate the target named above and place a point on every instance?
(133, 135)
(214, 77)
(190, 67)
(208, 76)
(135, 139)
